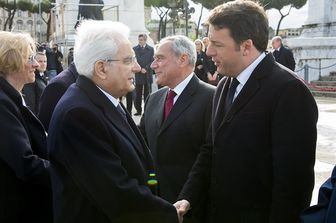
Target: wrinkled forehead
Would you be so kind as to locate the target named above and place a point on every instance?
(164, 48)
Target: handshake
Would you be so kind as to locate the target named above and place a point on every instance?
(182, 207)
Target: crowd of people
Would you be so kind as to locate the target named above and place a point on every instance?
(230, 135)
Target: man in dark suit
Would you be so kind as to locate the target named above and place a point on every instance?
(258, 163)
(53, 93)
(32, 92)
(143, 79)
(101, 169)
(175, 140)
(282, 54)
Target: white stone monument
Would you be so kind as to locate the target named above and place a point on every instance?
(316, 46)
(129, 12)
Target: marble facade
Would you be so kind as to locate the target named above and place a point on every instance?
(128, 12)
(316, 47)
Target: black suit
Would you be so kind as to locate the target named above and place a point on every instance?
(32, 92)
(54, 91)
(285, 57)
(25, 188)
(175, 142)
(100, 163)
(202, 60)
(258, 165)
(145, 57)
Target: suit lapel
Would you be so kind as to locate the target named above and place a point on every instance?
(158, 114)
(111, 112)
(219, 109)
(182, 103)
(250, 88)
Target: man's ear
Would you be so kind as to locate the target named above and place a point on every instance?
(184, 59)
(100, 70)
(247, 47)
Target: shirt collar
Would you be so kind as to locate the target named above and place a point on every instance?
(110, 97)
(180, 87)
(245, 74)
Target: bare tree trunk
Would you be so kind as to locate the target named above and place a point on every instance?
(7, 19)
(11, 18)
(281, 18)
(48, 27)
(198, 23)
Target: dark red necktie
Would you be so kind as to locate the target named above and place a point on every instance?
(169, 103)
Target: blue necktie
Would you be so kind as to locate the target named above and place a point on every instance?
(122, 111)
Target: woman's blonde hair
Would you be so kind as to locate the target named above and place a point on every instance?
(201, 42)
(14, 51)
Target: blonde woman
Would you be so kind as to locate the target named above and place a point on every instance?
(24, 169)
(201, 62)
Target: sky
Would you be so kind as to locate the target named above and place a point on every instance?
(295, 19)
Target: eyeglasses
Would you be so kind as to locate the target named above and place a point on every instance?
(126, 61)
(31, 59)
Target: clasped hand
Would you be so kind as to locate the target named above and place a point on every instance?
(182, 207)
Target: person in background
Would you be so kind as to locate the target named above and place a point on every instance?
(59, 58)
(143, 79)
(53, 93)
(24, 167)
(282, 54)
(210, 67)
(33, 91)
(175, 138)
(51, 60)
(258, 163)
(325, 209)
(201, 61)
(70, 56)
(101, 169)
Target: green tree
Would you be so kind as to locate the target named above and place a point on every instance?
(165, 8)
(161, 8)
(11, 6)
(268, 4)
(280, 4)
(45, 7)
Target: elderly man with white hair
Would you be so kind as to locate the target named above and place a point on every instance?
(102, 170)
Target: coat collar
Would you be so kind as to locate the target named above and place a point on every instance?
(73, 70)
(248, 91)
(10, 91)
(127, 128)
(182, 103)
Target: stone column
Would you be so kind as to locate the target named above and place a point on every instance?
(316, 46)
(129, 12)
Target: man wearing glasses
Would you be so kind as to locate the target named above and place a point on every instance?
(101, 168)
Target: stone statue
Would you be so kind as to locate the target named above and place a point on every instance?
(90, 12)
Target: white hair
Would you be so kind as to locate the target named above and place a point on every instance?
(97, 40)
(182, 45)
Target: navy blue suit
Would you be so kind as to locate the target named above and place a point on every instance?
(145, 57)
(53, 93)
(325, 210)
(100, 164)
